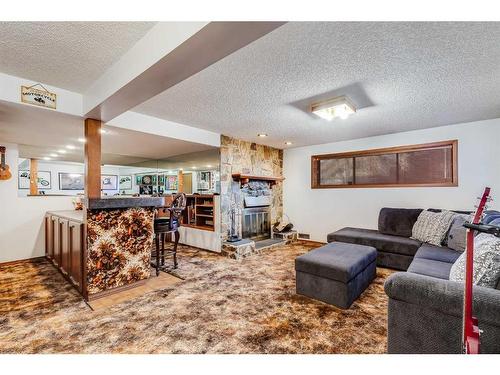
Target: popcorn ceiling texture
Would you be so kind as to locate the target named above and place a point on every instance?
(238, 156)
(222, 306)
(400, 75)
(69, 55)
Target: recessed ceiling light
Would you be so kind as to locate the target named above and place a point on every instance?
(181, 169)
(337, 107)
(46, 158)
(193, 167)
(70, 147)
(288, 143)
(82, 140)
(262, 135)
(209, 166)
(61, 151)
(54, 155)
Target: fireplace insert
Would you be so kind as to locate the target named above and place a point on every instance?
(256, 223)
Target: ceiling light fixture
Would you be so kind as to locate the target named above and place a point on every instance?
(193, 167)
(288, 143)
(70, 147)
(82, 140)
(209, 166)
(337, 107)
(61, 151)
(46, 158)
(262, 135)
(54, 155)
(102, 131)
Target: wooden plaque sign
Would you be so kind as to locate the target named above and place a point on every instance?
(40, 97)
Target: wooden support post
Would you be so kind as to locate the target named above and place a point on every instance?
(92, 158)
(180, 182)
(33, 177)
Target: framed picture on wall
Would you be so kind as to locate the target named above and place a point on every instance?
(109, 182)
(44, 180)
(71, 181)
(161, 180)
(125, 182)
(171, 183)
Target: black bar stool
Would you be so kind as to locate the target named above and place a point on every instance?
(168, 225)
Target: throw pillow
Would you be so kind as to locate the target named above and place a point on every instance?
(431, 227)
(486, 262)
(455, 239)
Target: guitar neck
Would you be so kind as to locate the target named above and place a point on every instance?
(470, 328)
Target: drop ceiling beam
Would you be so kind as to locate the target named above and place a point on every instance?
(191, 48)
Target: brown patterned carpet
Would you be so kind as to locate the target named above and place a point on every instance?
(223, 306)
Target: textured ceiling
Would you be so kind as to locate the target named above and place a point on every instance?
(402, 76)
(40, 132)
(69, 55)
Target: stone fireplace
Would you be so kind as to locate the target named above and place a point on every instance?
(250, 180)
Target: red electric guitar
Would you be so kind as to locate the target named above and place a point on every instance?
(471, 329)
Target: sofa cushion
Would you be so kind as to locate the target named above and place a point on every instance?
(455, 238)
(397, 221)
(431, 227)
(382, 242)
(442, 254)
(429, 267)
(489, 216)
(336, 261)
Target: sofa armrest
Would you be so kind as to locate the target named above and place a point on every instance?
(443, 295)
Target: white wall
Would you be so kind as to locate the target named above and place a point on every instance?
(321, 211)
(21, 218)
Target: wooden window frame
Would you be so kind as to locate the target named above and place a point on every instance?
(315, 159)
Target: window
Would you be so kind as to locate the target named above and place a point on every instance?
(430, 164)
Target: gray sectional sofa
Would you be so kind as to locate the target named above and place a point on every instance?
(425, 308)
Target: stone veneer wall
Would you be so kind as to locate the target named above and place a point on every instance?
(239, 156)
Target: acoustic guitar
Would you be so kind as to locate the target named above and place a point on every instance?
(471, 332)
(4, 168)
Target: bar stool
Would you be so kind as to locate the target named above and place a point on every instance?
(168, 225)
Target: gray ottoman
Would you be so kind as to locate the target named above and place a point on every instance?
(336, 273)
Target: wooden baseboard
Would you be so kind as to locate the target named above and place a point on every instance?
(12, 262)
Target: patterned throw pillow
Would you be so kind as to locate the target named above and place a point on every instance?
(486, 262)
(431, 227)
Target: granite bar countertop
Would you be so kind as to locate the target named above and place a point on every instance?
(69, 214)
(123, 202)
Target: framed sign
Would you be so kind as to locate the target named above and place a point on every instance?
(40, 97)
(43, 183)
(125, 182)
(71, 181)
(109, 182)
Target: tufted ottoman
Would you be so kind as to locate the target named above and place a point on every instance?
(336, 273)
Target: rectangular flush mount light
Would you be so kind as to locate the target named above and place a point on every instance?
(337, 107)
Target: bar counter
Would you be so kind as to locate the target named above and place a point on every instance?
(106, 247)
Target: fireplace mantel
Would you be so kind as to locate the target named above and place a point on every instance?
(245, 178)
